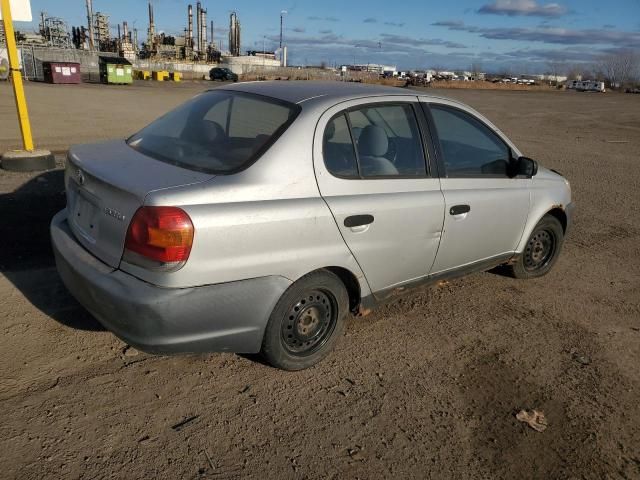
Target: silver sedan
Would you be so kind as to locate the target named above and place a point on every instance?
(257, 216)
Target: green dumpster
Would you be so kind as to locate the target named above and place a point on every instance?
(116, 70)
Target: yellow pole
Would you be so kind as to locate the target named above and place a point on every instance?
(16, 77)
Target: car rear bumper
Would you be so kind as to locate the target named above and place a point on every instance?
(227, 317)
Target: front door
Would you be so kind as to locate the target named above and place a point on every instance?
(485, 208)
(372, 171)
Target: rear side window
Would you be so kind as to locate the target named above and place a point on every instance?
(218, 132)
(469, 147)
(387, 143)
(339, 155)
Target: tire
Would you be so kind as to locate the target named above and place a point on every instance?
(542, 249)
(306, 322)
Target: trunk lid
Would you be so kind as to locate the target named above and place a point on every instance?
(106, 183)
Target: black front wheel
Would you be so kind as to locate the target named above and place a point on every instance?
(306, 322)
(542, 249)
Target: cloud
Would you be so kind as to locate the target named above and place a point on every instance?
(314, 18)
(394, 24)
(531, 8)
(452, 24)
(298, 29)
(370, 20)
(385, 46)
(551, 35)
(388, 38)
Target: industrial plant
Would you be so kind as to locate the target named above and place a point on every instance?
(195, 50)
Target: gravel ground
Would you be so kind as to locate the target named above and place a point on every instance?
(426, 387)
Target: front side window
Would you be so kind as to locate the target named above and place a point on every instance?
(216, 132)
(469, 147)
(387, 143)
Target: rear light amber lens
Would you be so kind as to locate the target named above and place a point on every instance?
(161, 234)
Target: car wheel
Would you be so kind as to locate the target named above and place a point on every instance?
(542, 249)
(306, 322)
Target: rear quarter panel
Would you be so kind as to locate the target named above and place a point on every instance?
(266, 220)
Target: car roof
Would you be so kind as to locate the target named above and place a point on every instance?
(300, 91)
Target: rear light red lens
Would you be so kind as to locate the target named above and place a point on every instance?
(163, 234)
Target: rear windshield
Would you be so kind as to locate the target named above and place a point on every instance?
(219, 132)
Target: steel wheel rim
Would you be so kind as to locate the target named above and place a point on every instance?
(540, 249)
(309, 323)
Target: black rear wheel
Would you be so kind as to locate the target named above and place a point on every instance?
(542, 249)
(306, 322)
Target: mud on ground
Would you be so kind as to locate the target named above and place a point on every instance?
(426, 387)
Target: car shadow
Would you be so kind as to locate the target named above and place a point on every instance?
(502, 270)
(26, 256)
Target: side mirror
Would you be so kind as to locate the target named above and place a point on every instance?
(526, 166)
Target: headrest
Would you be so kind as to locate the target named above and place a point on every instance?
(373, 141)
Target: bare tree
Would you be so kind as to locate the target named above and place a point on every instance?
(575, 72)
(555, 68)
(619, 68)
(476, 70)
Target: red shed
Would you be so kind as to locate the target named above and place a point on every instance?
(61, 72)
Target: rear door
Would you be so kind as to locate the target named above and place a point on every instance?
(485, 208)
(372, 166)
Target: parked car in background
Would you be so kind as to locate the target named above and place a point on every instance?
(224, 74)
(257, 216)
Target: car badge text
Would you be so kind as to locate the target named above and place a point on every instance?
(114, 213)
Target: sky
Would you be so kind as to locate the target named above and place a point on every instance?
(526, 36)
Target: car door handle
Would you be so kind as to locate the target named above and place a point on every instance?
(358, 220)
(459, 209)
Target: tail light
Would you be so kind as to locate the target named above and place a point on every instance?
(159, 238)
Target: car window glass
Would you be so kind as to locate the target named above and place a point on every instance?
(253, 118)
(468, 146)
(388, 141)
(215, 132)
(218, 113)
(337, 148)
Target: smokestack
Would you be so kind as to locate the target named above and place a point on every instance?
(90, 22)
(213, 42)
(198, 26)
(151, 33)
(203, 25)
(190, 29)
(234, 35)
(125, 31)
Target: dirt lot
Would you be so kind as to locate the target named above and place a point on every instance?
(426, 387)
